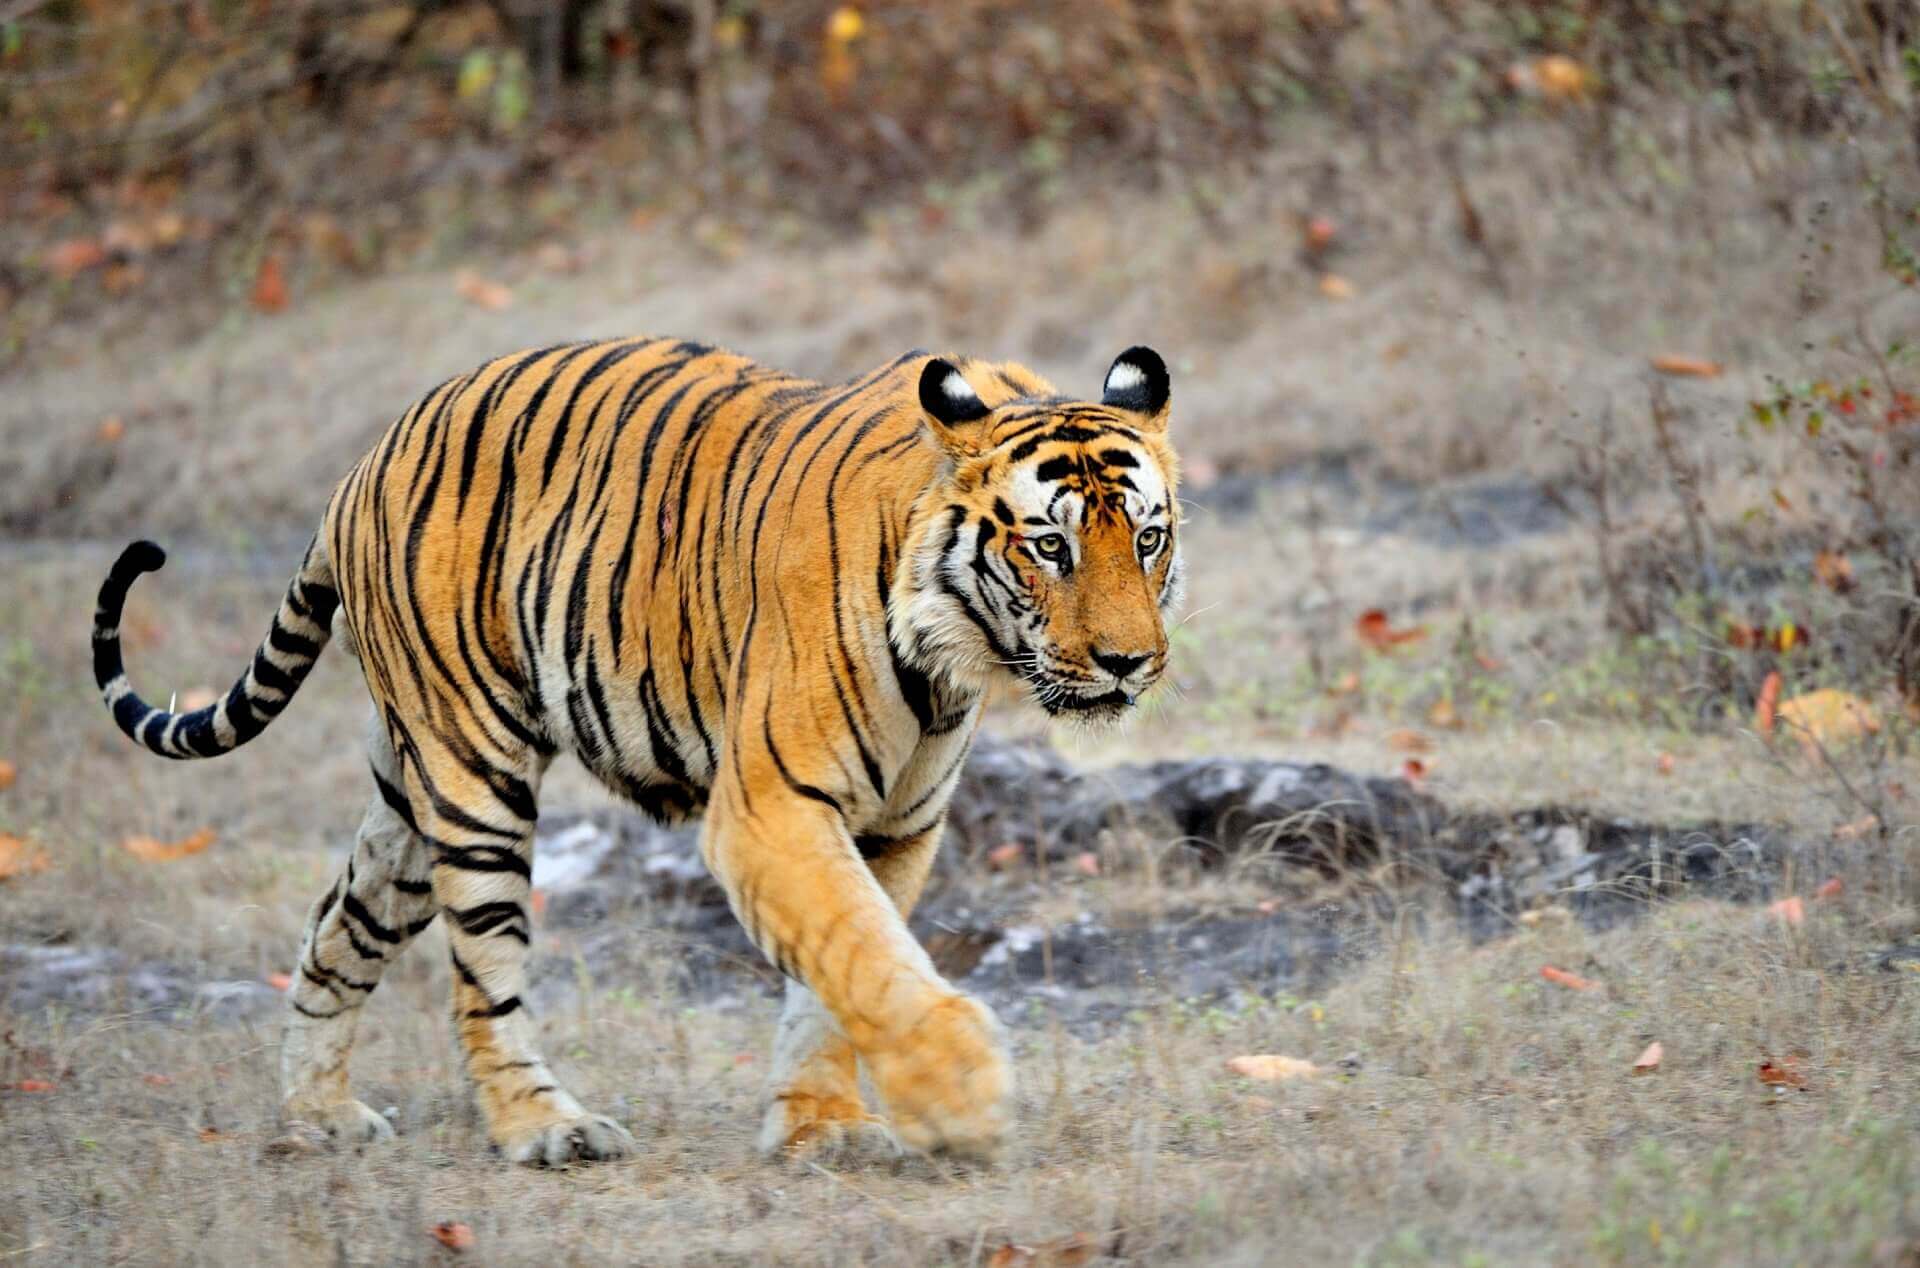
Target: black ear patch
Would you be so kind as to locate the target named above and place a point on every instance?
(1138, 382)
(946, 394)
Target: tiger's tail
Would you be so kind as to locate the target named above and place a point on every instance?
(285, 657)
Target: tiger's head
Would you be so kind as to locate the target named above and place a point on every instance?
(1050, 549)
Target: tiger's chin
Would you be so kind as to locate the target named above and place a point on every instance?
(1091, 710)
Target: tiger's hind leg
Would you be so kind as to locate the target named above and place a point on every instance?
(816, 1111)
(477, 813)
(376, 907)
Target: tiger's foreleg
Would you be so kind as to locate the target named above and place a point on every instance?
(812, 904)
(815, 1107)
(376, 907)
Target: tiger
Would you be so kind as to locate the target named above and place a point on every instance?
(733, 593)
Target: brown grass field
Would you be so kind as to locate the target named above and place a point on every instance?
(1415, 447)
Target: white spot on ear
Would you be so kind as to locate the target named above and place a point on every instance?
(958, 389)
(1124, 377)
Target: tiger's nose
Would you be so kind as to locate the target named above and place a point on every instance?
(1119, 664)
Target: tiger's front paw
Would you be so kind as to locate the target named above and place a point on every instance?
(833, 1130)
(947, 1082)
(564, 1141)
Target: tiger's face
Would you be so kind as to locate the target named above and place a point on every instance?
(1053, 553)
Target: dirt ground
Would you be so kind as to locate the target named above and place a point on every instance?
(1408, 448)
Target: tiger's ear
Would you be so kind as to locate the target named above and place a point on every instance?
(953, 409)
(1138, 383)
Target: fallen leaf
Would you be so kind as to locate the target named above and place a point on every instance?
(1541, 915)
(1834, 571)
(8, 773)
(1830, 888)
(1378, 633)
(282, 982)
(1061, 1252)
(150, 850)
(1271, 1068)
(1828, 717)
(213, 1136)
(1333, 286)
(75, 256)
(1259, 1104)
(1267, 906)
(1572, 981)
(453, 1236)
(1413, 770)
(1345, 685)
(1319, 233)
(1858, 828)
(1664, 764)
(1745, 637)
(1087, 863)
(1789, 911)
(270, 286)
(29, 1085)
(1763, 709)
(1560, 78)
(1785, 1073)
(1443, 715)
(555, 257)
(1006, 855)
(1649, 1061)
(111, 429)
(21, 857)
(194, 699)
(1492, 664)
(1407, 740)
(1688, 367)
(537, 901)
(481, 293)
(157, 1080)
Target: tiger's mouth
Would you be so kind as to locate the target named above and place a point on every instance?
(1067, 697)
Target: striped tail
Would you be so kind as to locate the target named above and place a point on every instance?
(300, 630)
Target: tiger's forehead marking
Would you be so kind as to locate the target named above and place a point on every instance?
(1072, 466)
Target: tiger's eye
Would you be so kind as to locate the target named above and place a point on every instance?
(1052, 546)
(1150, 539)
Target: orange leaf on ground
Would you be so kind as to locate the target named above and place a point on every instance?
(1270, 1068)
(1378, 633)
(1786, 1072)
(1333, 286)
(1444, 715)
(453, 1236)
(21, 857)
(1492, 664)
(270, 286)
(8, 773)
(1413, 770)
(1834, 571)
(1087, 863)
(1319, 233)
(1649, 1061)
(1828, 717)
(157, 1080)
(150, 850)
(1407, 740)
(279, 981)
(1061, 1252)
(1789, 910)
(1831, 888)
(1664, 764)
(29, 1085)
(1005, 855)
(1572, 981)
(1688, 367)
(1345, 685)
(76, 255)
(1858, 828)
(481, 293)
(213, 1136)
(111, 429)
(1763, 709)
(537, 901)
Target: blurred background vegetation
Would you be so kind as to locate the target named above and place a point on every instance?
(172, 146)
